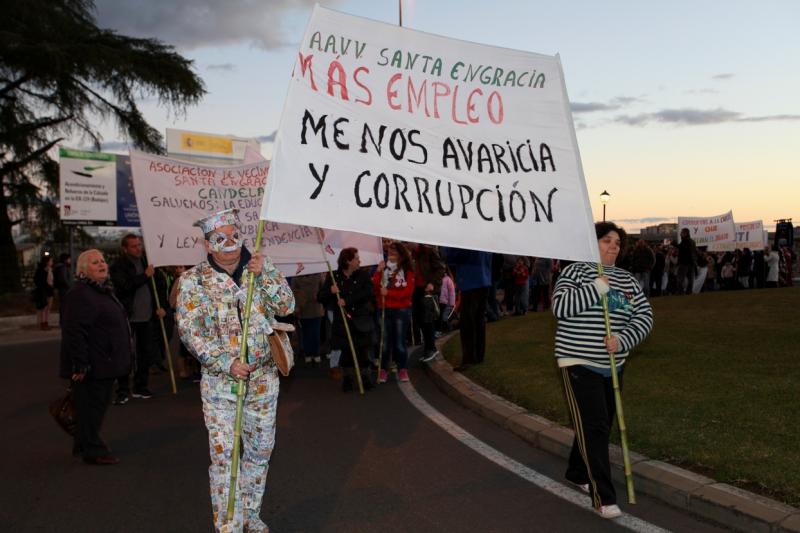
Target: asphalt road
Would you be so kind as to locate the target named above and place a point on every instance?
(342, 463)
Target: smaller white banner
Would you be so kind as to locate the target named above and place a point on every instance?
(173, 194)
(750, 235)
(718, 233)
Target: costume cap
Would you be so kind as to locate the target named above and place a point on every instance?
(213, 221)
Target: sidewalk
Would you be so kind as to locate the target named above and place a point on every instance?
(699, 495)
(23, 329)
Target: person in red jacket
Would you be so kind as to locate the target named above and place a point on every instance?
(521, 275)
(394, 287)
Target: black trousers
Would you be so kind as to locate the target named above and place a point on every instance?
(590, 397)
(685, 273)
(472, 325)
(418, 310)
(91, 397)
(144, 336)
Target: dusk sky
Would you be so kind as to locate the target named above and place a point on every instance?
(681, 108)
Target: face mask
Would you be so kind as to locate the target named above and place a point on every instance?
(217, 240)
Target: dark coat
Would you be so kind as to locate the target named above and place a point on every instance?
(473, 268)
(643, 259)
(429, 267)
(687, 252)
(42, 290)
(359, 299)
(94, 333)
(61, 278)
(126, 282)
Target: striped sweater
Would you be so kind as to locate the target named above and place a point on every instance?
(581, 325)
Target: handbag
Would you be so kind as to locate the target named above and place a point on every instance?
(430, 309)
(281, 347)
(63, 412)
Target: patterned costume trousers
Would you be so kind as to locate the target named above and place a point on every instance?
(258, 440)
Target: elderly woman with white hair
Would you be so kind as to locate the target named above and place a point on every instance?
(95, 349)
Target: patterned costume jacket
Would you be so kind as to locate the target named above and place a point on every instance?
(210, 312)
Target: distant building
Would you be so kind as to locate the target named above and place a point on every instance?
(667, 230)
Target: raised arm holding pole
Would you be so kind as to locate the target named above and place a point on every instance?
(344, 315)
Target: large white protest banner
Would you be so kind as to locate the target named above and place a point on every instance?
(87, 187)
(418, 137)
(173, 194)
(717, 233)
(750, 235)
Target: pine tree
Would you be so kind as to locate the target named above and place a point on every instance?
(60, 75)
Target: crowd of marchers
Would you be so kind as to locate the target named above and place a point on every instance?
(118, 323)
(417, 293)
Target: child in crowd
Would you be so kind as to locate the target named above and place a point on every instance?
(447, 300)
(728, 273)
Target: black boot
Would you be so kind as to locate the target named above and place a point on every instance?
(347, 384)
(366, 380)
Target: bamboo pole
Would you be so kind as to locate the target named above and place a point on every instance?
(623, 430)
(241, 384)
(344, 316)
(163, 330)
(383, 328)
(164, 337)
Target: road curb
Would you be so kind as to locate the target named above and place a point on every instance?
(9, 323)
(699, 495)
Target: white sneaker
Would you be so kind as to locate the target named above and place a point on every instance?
(584, 487)
(609, 511)
(430, 356)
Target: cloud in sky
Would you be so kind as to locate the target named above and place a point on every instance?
(198, 23)
(626, 100)
(114, 146)
(696, 117)
(769, 118)
(614, 104)
(648, 220)
(226, 67)
(635, 225)
(590, 107)
(725, 76)
(702, 91)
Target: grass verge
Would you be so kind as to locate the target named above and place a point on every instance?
(714, 389)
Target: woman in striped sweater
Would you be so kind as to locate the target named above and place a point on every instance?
(582, 349)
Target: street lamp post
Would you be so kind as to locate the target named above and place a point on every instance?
(604, 197)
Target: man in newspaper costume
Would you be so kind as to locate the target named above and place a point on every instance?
(209, 313)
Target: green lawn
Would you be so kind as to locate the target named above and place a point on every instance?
(715, 388)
